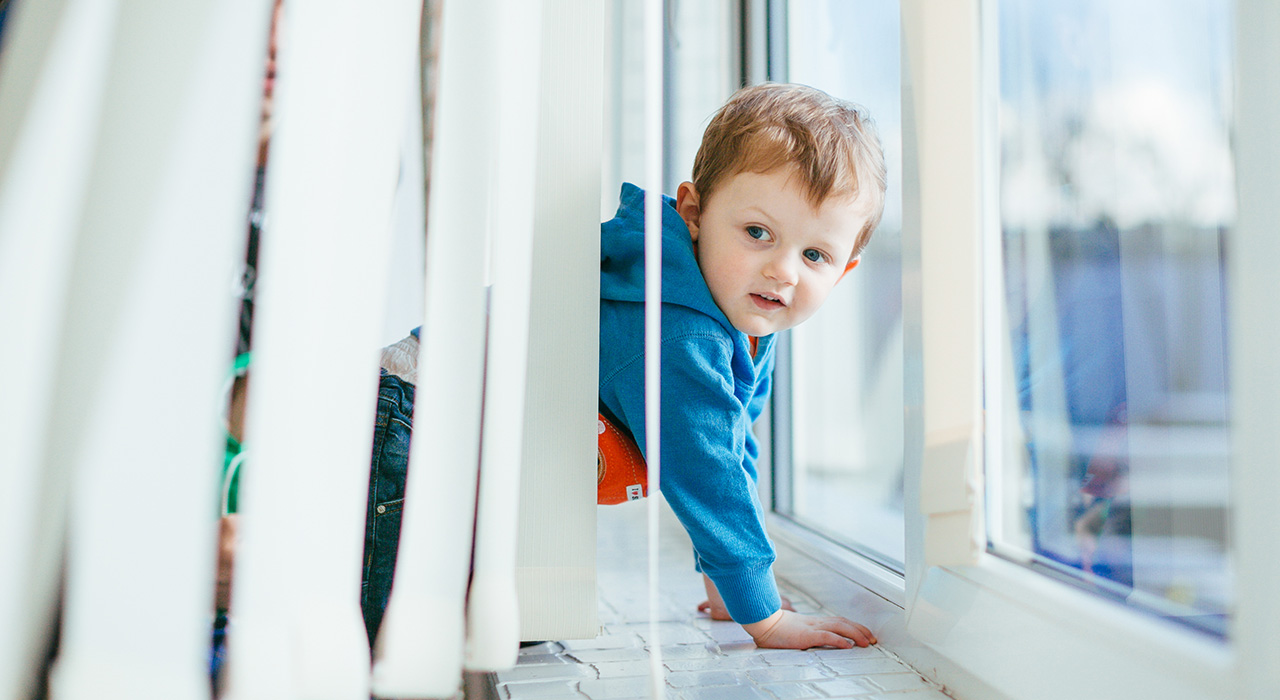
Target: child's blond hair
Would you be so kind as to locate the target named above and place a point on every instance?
(832, 143)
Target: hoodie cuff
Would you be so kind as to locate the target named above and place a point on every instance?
(750, 595)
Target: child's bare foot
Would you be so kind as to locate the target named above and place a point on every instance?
(718, 612)
(714, 604)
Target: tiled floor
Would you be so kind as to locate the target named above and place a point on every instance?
(702, 659)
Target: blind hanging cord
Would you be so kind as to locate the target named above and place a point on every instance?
(653, 314)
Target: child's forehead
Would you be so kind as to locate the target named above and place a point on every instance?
(786, 185)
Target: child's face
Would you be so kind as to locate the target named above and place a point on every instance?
(770, 258)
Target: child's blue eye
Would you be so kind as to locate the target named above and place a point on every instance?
(813, 255)
(757, 233)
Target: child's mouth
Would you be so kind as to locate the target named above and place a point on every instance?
(767, 302)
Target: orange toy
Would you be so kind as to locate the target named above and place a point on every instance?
(621, 474)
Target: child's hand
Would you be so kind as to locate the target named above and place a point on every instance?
(791, 630)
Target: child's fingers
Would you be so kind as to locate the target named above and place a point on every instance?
(789, 630)
(831, 639)
(850, 630)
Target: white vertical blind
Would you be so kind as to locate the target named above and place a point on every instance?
(297, 629)
(51, 78)
(556, 554)
(120, 307)
(493, 620)
(142, 352)
(421, 640)
(653, 148)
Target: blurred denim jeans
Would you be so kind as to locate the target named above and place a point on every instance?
(392, 430)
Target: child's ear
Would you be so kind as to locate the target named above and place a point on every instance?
(689, 207)
(847, 268)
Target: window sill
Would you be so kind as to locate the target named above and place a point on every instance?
(1029, 636)
(845, 583)
(839, 560)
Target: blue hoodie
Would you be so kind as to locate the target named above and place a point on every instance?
(712, 391)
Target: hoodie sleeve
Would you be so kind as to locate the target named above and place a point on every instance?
(754, 408)
(708, 475)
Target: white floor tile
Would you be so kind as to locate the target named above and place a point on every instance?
(792, 691)
(898, 681)
(703, 659)
(692, 679)
(779, 674)
(542, 690)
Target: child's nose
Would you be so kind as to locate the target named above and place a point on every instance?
(781, 268)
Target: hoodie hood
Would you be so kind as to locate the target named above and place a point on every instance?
(622, 258)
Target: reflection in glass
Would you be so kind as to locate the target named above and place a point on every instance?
(700, 76)
(846, 361)
(1116, 197)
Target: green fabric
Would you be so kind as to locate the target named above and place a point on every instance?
(230, 495)
(232, 504)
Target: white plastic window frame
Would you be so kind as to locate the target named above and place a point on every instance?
(764, 56)
(988, 627)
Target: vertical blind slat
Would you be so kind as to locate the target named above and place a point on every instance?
(556, 552)
(653, 167)
(51, 79)
(493, 623)
(420, 643)
(144, 349)
(297, 629)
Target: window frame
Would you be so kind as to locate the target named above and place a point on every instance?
(1018, 631)
(764, 57)
(1254, 332)
(981, 625)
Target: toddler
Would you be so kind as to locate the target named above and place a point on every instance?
(788, 186)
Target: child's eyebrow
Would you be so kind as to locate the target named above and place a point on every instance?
(756, 209)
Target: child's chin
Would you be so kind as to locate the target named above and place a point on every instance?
(757, 329)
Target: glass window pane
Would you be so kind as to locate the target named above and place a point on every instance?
(1116, 199)
(701, 74)
(847, 359)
